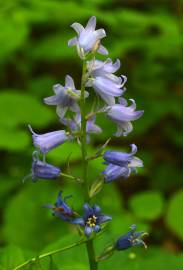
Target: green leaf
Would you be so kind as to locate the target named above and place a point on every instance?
(52, 265)
(11, 256)
(147, 205)
(18, 108)
(174, 218)
(14, 140)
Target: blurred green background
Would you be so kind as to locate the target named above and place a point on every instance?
(147, 36)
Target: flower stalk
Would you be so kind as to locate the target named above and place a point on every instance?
(89, 244)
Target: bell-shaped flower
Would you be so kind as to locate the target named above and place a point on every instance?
(122, 115)
(102, 68)
(43, 170)
(48, 141)
(105, 83)
(88, 39)
(120, 164)
(92, 219)
(66, 97)
(131, 239)
(61, 209)
(74, 125)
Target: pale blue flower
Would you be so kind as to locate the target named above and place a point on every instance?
(88, 38)
(48, 141)
(65, 97)
(105, 83)
(123, 115)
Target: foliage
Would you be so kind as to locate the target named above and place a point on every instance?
(33, 57)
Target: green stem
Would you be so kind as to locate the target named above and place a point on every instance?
(49, 254)
(89, 244)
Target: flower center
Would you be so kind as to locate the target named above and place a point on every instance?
(91, 221)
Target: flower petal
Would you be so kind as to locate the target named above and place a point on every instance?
(88, 231)
(77, 27)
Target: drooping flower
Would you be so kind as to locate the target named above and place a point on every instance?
(48, 141)
(123, 115)
(131, 239)
(61, 209)
(43, 170)
(120, 164)
(92, 219)
(66, 97)
(88, 39)
(105, 83)
(74, 125)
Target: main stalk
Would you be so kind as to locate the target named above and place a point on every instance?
(89, 244)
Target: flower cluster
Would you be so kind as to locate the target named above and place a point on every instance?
(80, 123)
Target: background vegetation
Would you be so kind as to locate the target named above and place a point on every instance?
(147, 36)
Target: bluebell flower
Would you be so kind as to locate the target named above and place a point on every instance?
(43, 170)
(131, 239)
(92, 219)
(48, 141)
(74, 125)
(105, 83)
(123, 115)
(66, 97)
(61, 209)
(120, 164)
(88, 39)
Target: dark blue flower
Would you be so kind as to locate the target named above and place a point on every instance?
(131, 239)
(43, 170)
(123, 115)
(88, 38)
(61, 209)
(48, 141)
(92, 219)
(120, 164)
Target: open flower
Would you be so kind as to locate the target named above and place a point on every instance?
(43, 170)
(61, 209)
(92, 219)
(123, 115)
(88, 39)
(120, 164)
(48, 141)
(105, 83)
(66, 97)
(131, 239)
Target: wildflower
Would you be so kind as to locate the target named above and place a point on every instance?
(131, 239)
(66, 97)
(74, 125)
(88, 39)
(48, 141)
(105, 83)
(120, 164)
(92, 219)
(43, 170)
(61, 209)
(123, 115)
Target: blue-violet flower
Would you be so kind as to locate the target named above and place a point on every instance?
(92, 219)
(131, 239)
(61, 209)
(43, 170)
(120, 164)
